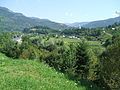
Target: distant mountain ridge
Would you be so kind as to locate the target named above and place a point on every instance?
(11, 21)
(77, 24)
(102, 23)
(94, 24)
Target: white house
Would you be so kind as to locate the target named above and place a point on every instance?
(18, 38)
(63, 36)
(113, 28)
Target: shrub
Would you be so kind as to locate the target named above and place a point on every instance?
(110, 66)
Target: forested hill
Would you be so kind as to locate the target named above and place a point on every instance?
(102, 23)
(11, 21)
(95, 24)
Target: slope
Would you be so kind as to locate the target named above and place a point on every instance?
(11, 21)
(30, 75)
(102, 23)
(95, 24)
(77, 24)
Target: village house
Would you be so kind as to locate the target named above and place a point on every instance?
(17, 38)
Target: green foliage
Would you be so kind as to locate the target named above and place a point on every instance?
(82, 32)
(87, 62)
(93, 73)
(110, 63)
(82, 60)
(30, 75)
(40, 30)
(113, 40)
(77, 60)
(12, 21)
(67, 51)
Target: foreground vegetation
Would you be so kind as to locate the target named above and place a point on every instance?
(32, 75)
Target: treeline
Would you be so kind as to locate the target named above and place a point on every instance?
(40, 30)
(94, 34)
(91, 34)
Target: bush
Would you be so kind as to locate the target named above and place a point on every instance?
(110, 66)
(82, 61)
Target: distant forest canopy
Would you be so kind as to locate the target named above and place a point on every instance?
(11, 21)
(89, 34)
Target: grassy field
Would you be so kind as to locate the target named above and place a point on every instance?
(92, 44)
(32, 75)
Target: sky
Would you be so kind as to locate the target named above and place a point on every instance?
(65, 11)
